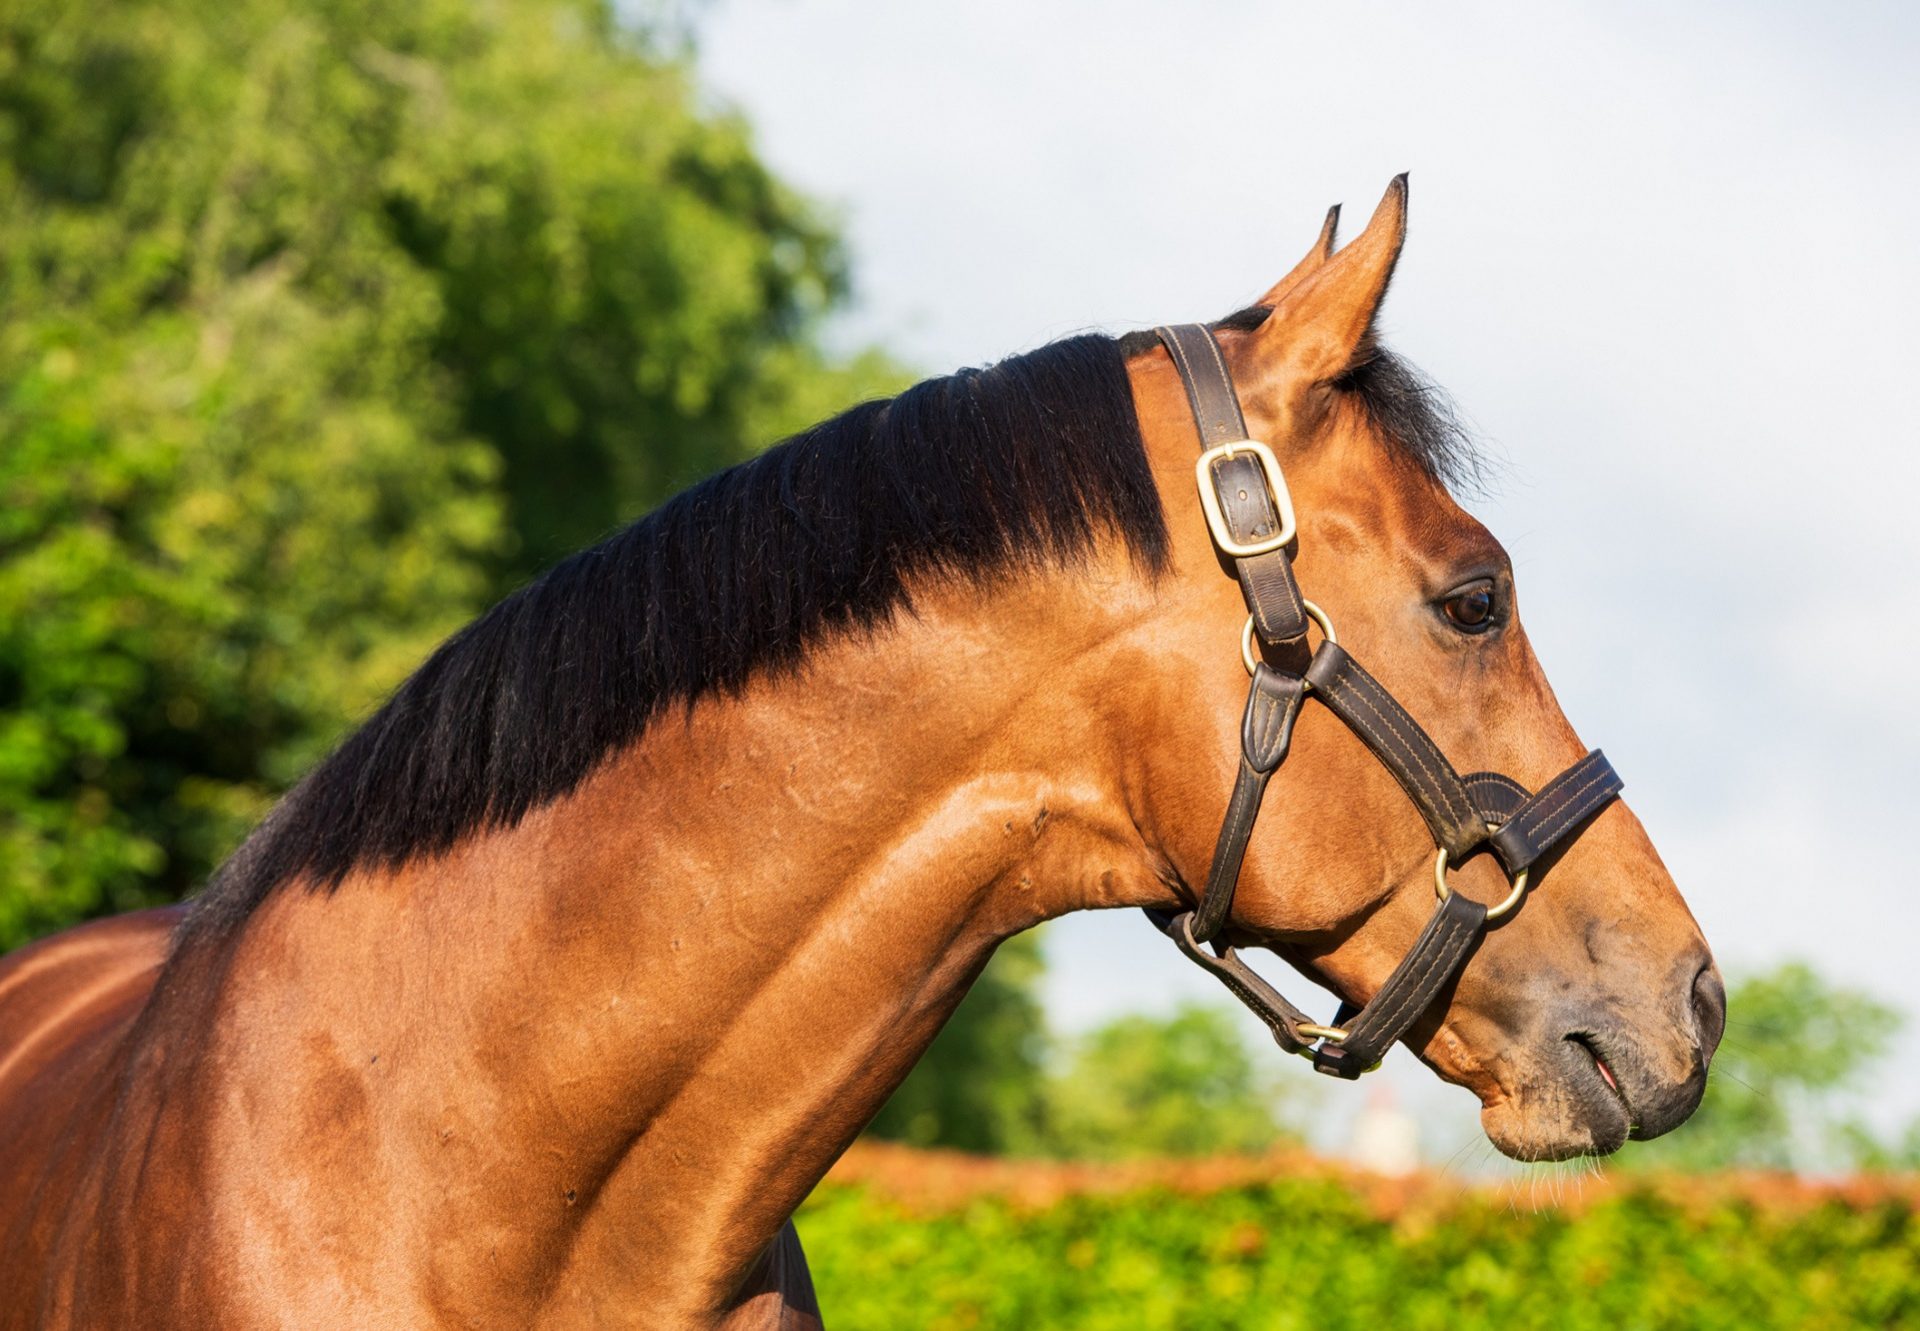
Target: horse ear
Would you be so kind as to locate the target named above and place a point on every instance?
(1322, 251)
(1320, 328)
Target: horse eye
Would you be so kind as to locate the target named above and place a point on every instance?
(1470, 608)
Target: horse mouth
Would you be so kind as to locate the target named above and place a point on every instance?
(1611, 1095)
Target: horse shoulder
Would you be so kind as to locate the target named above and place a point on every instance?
(67, 1004)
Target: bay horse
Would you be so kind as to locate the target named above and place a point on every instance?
(546, 999)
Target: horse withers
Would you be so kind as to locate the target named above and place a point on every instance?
(546, 999)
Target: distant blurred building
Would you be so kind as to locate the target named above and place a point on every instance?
(1386, 1139)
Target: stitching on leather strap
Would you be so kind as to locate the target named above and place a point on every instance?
(1446, 792)
(1278, 1014)
(1293, 592)
(1561, 790)
(1440, 925)
(1355, 696)
(1239, 807)
(1351, 682)
(1286, 580)
(1226, 378)
(1223, 876)
(1272, 715)
(1497, 779)
(1456, 935)
(1231, 398)
(1267, 722)
(1247, 996)
(1573, 815)
(1171, 339)
(1548, 803)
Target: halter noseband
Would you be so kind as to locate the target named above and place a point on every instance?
(1250, 516)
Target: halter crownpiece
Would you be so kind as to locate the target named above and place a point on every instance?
(1243, 493)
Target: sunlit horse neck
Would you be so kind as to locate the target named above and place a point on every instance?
(550, 995)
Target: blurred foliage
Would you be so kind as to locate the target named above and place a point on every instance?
(1784, 1088)
(321, 324)
(1183, 1085)
(1873, 1151)
(996, 1081)
(1311, 1253)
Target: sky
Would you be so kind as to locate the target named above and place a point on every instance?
(1662, 255)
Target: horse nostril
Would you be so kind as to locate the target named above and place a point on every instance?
(1709, 1010)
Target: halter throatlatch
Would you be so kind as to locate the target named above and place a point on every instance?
(1243, 493)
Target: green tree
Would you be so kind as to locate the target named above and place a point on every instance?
(1176, 1086)
(321, 322)
(1784, 1087)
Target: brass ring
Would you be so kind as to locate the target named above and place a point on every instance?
(1331, 1034)
(1319, 616)
(1314, 612)
(1441, 890)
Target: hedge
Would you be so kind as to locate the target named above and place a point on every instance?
(906, 1239)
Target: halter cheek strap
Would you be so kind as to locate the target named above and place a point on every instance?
(1246, 513)
(1250, 516)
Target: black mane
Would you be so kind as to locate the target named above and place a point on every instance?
(971, 476)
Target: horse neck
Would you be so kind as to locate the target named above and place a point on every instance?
(627, 1036)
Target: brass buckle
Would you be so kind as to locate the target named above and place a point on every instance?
(1441, 890)
(1276, 488)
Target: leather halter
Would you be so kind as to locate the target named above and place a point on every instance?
(1250, 516)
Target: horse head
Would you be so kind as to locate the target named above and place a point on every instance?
(1584, 1014)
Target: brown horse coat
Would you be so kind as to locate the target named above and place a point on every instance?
(73, 1099)
(570, 1052)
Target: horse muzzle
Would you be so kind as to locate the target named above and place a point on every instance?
(1594, 1076)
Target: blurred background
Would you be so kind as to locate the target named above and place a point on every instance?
(324, 323)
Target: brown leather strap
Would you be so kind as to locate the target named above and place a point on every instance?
(1496, 795)
(1273, 595)
(1397, 740)
(1266, 581)
(1216, 406)
(1266, 729)
(1429, 966)
(1562, 805)
(1246, 984)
